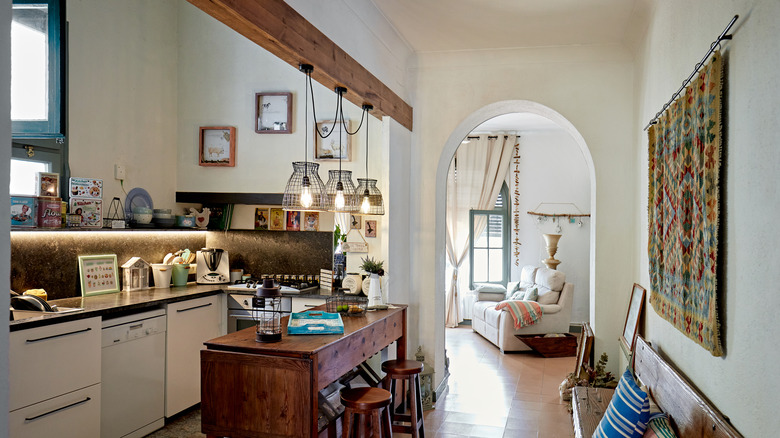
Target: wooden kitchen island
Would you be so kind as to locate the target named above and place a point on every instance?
(250, 389)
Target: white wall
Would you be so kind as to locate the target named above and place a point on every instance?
(5, 202)
(587, 86)
(553, 178)
(122, 94)
(741, 383)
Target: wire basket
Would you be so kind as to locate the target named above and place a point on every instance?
(346, 305)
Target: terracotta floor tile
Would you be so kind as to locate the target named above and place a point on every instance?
(487, 431)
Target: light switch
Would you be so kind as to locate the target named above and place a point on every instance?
(119, 171)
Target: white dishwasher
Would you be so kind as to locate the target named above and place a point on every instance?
(133, 375)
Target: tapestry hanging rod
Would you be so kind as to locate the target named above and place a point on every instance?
(715, 44)
(476, 137)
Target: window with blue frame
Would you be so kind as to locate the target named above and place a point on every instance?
(37, 92)
(489, 242)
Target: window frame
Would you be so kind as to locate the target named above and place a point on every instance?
(504, 212)
(53, 127)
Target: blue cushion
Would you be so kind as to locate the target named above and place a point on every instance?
(628, 412)
(489, 287)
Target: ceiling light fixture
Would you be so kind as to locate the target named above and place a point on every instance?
(305, 190)
(372, 203)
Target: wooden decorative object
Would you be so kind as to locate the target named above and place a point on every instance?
(516, 206)
(631, 325)
(217, 146)
(551, 346)
(584, 347)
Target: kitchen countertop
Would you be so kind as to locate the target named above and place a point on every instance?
(126, 302)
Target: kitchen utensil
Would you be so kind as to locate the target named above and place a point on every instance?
(162, 275)
(137, 197)
(30, 302)
(142, 219)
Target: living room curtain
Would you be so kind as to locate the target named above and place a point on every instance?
(683, 209)
(474, 181)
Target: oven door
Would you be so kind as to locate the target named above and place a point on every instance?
(239, 320)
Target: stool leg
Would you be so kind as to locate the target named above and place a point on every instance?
(376, 424)
(392, 398)
(347, 422)
(418, 402)
(387, 425)
(362, 424)
(413, 396)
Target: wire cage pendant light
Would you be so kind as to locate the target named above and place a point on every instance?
(368, 198)
(340, 192)
(305, 191)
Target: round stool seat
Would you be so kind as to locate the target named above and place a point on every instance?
(402, 367)
(365, 399)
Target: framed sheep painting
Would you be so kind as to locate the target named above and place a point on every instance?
(217, 146)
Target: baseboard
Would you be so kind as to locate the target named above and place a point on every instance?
(441, 388)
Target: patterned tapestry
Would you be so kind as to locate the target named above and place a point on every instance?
(683, 209)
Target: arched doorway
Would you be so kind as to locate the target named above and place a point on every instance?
(451, 145)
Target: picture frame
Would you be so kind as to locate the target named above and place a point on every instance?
(217, 146)
(355, 222)
(584, 348)
(98, 274)
(273, 113)
(261, 219)
(631, 326)
(370, 228)
(327, 149)
(293, 221)
(276, 219)
(311, 221)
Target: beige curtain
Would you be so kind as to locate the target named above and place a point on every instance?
(473, 182)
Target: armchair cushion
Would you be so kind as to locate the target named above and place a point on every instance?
(550, 283)
(527, 276)
(532, 294)
(489, 287)
(511, 288)
(491, 296)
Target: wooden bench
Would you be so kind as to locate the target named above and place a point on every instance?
(690, 414)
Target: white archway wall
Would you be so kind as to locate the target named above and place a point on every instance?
(553, 176)
(588, 88)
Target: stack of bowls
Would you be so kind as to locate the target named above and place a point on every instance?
(163, 217)
(142, 215)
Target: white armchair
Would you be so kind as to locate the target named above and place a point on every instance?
(555, 298)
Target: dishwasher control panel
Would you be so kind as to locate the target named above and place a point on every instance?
(131, 327)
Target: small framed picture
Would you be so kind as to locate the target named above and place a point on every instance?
(311, 221)
(370, 228)
(355, 222)
(273, 113)
(48, 184)
(330, 148)
(261, 219)
(98, 274)
(632, 317)
(293, 221)
(276, 219)
(217, 146)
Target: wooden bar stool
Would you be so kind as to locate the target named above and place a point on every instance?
(408, 372)
(363, 402)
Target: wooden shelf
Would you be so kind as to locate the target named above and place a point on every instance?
(230, 198)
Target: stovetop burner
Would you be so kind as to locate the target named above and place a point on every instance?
(287, 283)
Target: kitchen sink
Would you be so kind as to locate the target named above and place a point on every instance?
(24, 314)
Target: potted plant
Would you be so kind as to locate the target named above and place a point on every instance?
(375, 269)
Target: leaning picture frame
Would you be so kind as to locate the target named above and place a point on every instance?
(330, 148)
(217, 146)
(98, 274)
(273, 113)
(635, 306)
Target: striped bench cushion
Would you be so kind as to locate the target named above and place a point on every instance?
(628, 412)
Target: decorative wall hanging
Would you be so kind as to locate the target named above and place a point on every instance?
(516, 206)
(273, 113)
(683, 209)
(217, 146)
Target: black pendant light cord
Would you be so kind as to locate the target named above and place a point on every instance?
(365, 109)
(314, 111)
(344, 124)
(306, 123)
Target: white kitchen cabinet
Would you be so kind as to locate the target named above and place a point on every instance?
(54, 380)
(72, 415)
(301, 304)
(52, 360)
(190, 324)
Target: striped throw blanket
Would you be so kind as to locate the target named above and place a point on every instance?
(524, 313)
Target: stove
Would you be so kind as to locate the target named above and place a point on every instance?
(289, 284)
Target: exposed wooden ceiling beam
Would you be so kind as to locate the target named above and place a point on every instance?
(278, 28)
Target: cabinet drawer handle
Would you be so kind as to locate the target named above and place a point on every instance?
(57, 410)
(30, 341)
(310, 305)
(193, 308)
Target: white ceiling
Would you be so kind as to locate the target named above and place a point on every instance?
(443, 25)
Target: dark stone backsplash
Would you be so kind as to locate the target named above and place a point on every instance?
(49, 260)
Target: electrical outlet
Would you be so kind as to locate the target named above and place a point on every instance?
(120, 172)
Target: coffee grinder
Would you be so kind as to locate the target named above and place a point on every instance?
(213, 266)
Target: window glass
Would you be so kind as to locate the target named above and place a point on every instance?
(23, 174)
(489, 254)
(29, 62)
